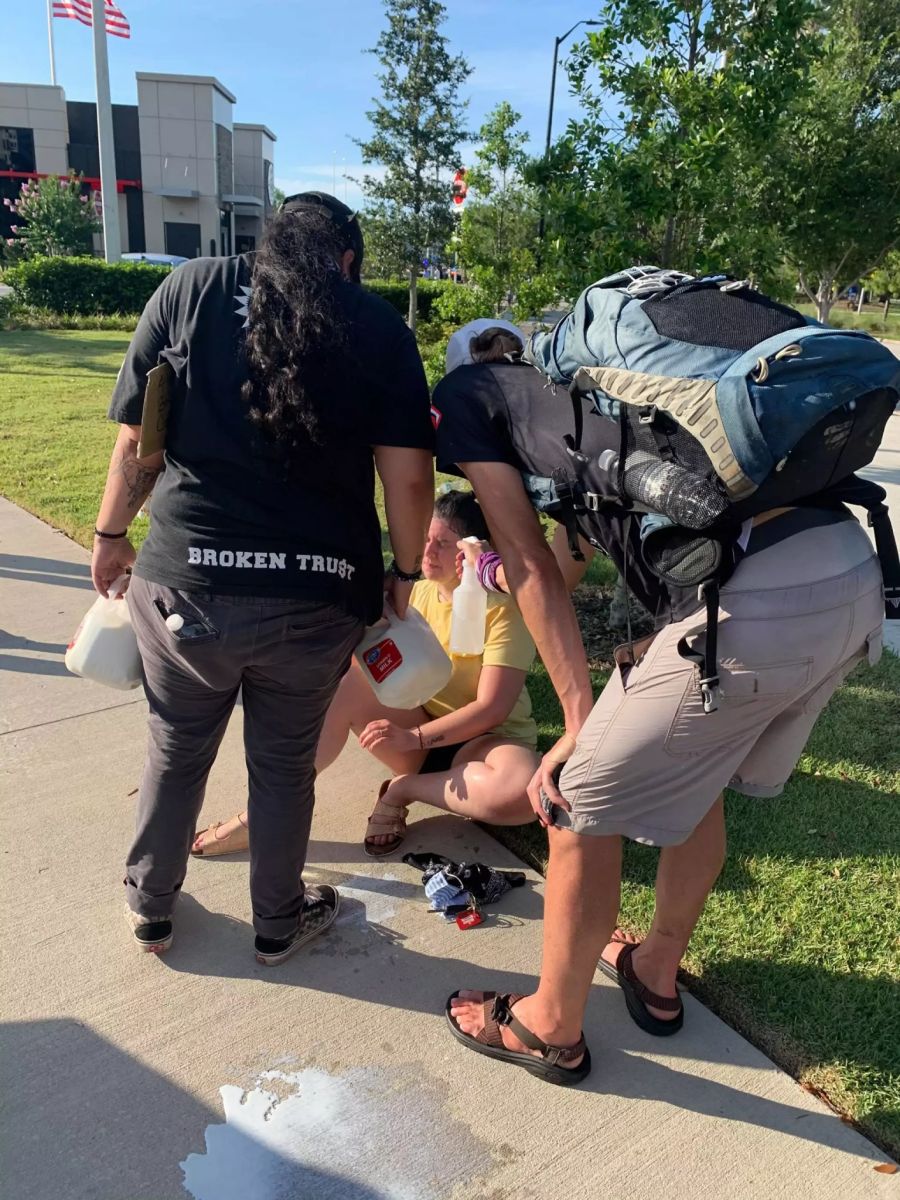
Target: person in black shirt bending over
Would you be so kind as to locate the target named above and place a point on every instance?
(290, 385)
(804, 604)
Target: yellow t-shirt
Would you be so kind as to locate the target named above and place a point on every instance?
(507, 643)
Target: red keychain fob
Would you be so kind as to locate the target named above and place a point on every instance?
(468, 920)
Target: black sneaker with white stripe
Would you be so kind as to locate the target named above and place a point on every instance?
(320, 907)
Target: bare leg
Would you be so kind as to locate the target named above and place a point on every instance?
(487, 782)
(580, 907)
(353, 707)
(684, 879)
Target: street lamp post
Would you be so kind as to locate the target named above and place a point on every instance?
(556, 45)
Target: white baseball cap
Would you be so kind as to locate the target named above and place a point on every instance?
(458, 354)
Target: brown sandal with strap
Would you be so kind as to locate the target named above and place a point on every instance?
(387, 820)
(638, 995)
(232, 843)
(498, 1010)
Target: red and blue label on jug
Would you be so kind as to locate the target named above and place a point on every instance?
(382, 658)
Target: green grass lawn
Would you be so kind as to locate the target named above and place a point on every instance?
(798, 947)
(871, 319)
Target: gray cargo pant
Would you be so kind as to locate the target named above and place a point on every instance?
(288, 657)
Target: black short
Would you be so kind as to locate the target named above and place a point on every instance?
(439, 759)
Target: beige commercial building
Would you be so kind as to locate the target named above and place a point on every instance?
(190, 180)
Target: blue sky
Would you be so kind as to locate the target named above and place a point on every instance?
(298, 65)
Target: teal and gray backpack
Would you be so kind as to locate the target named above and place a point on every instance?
(727, 404)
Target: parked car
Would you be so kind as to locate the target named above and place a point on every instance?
(155, 260)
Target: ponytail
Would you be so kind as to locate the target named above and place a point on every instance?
(297, 332)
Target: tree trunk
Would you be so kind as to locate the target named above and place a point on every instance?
(413, 302)
(668, 245)
(862, 299)
(887, 310)
(824, 302)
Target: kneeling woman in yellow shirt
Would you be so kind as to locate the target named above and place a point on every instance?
(471, 748)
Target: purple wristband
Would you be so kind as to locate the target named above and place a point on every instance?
(486, 570)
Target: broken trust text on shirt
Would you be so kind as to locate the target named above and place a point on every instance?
(270, 560)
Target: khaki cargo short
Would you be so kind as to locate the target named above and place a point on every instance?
(794, 619)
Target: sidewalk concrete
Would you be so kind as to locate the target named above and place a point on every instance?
(332, 1077)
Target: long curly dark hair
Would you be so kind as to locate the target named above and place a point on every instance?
(298, 331)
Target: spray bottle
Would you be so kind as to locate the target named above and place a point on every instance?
(469, 612)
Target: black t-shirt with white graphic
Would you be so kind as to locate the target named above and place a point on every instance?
(224, 518)
(510, 413)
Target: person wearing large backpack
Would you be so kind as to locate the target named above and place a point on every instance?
(712, 699)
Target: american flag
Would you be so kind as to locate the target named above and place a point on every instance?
(80, 10)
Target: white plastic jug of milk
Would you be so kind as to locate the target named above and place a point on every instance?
(403, 660)
(104, 647)
(469, 612)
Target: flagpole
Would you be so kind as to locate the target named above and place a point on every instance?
(112, 243)
(50, 41)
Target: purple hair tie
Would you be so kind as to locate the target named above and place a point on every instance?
(486, 570)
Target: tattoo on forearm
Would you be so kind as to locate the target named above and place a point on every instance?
(433, 739)
(138, 479)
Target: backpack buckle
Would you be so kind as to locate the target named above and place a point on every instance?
(648, 415)
(592, 501)
(709, 690)
(572, 451)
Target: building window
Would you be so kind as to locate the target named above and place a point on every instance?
(17, 150)
(224, 160)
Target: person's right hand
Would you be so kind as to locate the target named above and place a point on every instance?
(397, 594)
(470, 552)
(543, 787)
(110, 560)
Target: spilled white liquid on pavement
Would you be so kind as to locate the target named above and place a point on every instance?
(377, 894)
(364, 1135)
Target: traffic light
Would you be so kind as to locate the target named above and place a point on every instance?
(460, 187)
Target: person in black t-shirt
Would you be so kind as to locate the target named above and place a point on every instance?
(802, 607)
(290, 386)
(501, 410)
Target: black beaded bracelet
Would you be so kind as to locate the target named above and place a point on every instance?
(111, 537)
(403, 576)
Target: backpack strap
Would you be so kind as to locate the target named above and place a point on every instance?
(707, 660)
(863, 493)
(886, 545)
(566, 509)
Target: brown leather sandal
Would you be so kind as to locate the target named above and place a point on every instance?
(638, 996)
(386, 820)
(498, 1010)
(231, 843)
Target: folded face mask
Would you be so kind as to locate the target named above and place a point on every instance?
(483, 883)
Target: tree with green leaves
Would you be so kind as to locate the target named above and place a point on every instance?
(59, 217)
(417, 127)
(834, 191)
(499, 223)
(387, 254)
(680, 103)
(884, 284)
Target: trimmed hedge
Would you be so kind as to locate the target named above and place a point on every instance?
(396, 292)
(92, 287)
(86, 286)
